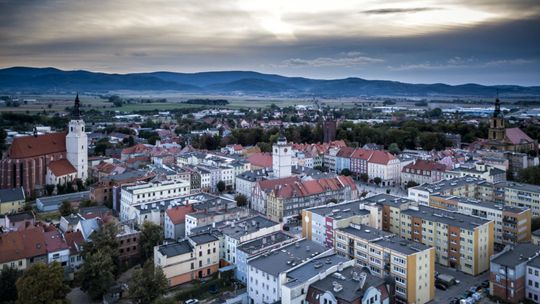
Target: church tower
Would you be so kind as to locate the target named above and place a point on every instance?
(76, 142)
(281, 157)
(497, 129)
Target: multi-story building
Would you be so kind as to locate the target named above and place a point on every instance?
(523, 195)
(461, 186)
(175, 218)
(267, 272)
(422, 172)
(288, 200)
(143, 193)
(256, 247)
(532, 279)
(193, 258)
(512, 224)
(128, 243)
(461, 241)
(319, 223)
(508, 272)
(391, 210)
(209, 217)
(245, 182)
(411, 264)
(478, 170)
(259, 194)
(11, 200)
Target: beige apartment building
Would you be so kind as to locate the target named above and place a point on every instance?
(523, 195)
(411, 264)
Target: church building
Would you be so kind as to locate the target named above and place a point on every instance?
(32, 162)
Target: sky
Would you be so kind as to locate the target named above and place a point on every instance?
(449, 41)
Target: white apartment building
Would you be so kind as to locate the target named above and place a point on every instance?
(532, 280)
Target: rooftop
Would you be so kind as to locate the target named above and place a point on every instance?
(11, 195)
(312, 268)
(447, 184)
(388, 200)
(523, 187)
(339, 211)
(287, 257)
(57, 199)
(518, 254)
(174, 249)
(247, 226)
(253, 246)
(203, 238)
(484, 204)
(450, 218)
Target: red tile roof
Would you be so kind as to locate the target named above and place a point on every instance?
(54, 241)
(516, 136)
(178, 214)
(61, 167)
(31, 146)
(272, 183)
(75, 241)
(261, 160)
(22, 244)
(313, 187)
(381, 157)
(139, 148)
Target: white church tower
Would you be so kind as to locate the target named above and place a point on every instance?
(281, 157)
(76, 142)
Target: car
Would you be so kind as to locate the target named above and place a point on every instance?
(191, 301)
(441, 286)
(457, 281)
(485, 284)
(213, 289)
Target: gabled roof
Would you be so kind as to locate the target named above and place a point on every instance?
(177, 214)
(516, 136)
(75, 241)
(54, 241)
(272, 183)
(381, 157)
(61, 167)
(263, 160)
(31, 146)
(12, 195)
(22, 244)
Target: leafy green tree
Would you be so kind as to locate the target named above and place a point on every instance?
(147, 284)
(346, 172)
(49, 188)
(97, 274)
(3, 136)
(364, 177)
(220, 186)
(42, 283)
(394, 148)
(241, 200)
(65, 208)
(8, 289)
(411, 184)
(530, 175)
(104, 240)
(151, 236)
(377, 180)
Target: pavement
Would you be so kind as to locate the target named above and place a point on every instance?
(76, 295)
(466, 282)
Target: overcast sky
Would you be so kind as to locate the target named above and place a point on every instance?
(452, 41)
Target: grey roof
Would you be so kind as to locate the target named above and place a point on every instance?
(352, 290)
(248, 226)
(388, 200)
(199, 201)
(536, 232)
(455, 219)
(312, 268)
(258, 244)
(517, 255)
(523, 187)
(11, 195)
(174, 249)
(254, 175)
(339, 211)
(484, 204)
(447, 184)
(365, 232)
(16, 217)
(314, 173)
(203, 238)
(535, 262)
(287, 257)
(125, 176)
(57, 199)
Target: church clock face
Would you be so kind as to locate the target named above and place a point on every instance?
(285, 150)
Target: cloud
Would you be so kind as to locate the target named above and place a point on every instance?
(349, 60)
(462, 63)
(384, 11)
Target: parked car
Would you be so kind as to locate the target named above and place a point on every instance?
(191, 301)
(440, 286)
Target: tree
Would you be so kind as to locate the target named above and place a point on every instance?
(42, 283)
(97, 274)
(151, 236)
(346, 172)
(49, 188)
(394, 148)
(220, 186)
(530, 175)
(411, 184)
(87, 203)
(65, 208)
(241, 200)
(3, 136)
(104, 240)
(377, 180)
(147, 284)
(364, 177)
(8, 289)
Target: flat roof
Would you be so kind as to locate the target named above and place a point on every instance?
(175, 249)
(247, 226)
(342, 210)
(485, 204)
(312, 268)
(203, 238)
(523, 187)
(253, 246)
(446, 184)
(451, 218)
(287, 257)
(517, 255)
(388, 200)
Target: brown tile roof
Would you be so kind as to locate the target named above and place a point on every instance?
(31, 146)
(139, 148)
(425, 165)
(272, 183)
(178, 214)
(61, 167)
(75, 241)
(22, 244)
(313, 187)
(516, 136)
(381, 157)
(54, 241)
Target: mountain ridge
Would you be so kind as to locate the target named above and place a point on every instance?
(238, 82)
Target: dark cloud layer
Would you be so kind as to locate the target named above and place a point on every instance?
(455, 41)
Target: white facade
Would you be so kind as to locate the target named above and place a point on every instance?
(76, 147)
(389, 173)
(419, 195)
(282, 158)
(532, 283)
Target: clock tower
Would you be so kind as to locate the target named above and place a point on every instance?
(76, 142)
(281, 157)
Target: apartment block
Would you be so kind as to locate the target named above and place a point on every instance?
(461, 241)
(512, 224)
(391, 210)
(532, 279)
(411, 264)
(523, 195)
(461, 186)
(319, 223)
(193, 258)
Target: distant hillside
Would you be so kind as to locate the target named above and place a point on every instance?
(235, 82)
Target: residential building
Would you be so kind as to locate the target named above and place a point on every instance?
(532, 280)
(411, 264)
(209, 217)
(52, 203)
(478, 170)
(523, 195)
(21, 249)
(11, 200)
(392, 206)
(259, 194)
(19, 221)
(174, 221)
(128, 243)
(461, 186)
(422, 172)
(245, 182)
(319, 223)
(192, 258)
(508, 272)
(536, 237)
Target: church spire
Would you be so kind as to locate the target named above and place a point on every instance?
(497, 111)
(76, 114)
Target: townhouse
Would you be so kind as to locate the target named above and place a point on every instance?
(259, 194)
(245, 181)
(287, 201)
(422, 172)
(11, 200)
(512, 224)
(192, 258)
(411, 264)
(319, 223)
(174, 221)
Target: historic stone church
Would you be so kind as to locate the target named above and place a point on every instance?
(505, 139)
(34, 161)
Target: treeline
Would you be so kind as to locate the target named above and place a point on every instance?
(25, 122)
(212, 102)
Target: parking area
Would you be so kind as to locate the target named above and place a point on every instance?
(466, 282)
